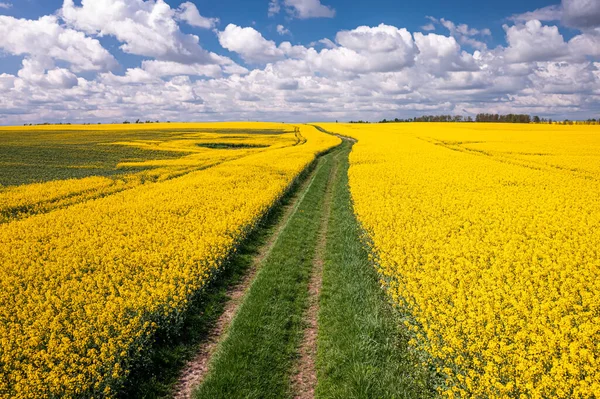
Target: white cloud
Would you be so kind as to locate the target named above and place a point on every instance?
(43, 74)
(7, 81)
(6, 6)
(428, 27)
(586, 44)
(534, 42)
(440, 54)
(301, 9)
(46, 38)
(282, 30)
(274, 7)
(250, 44)
(461, 32)
(550, 13)
(327, 43)
(167, 68)
(189, 13)
(581, 14)
(382, 48)
(147, 28)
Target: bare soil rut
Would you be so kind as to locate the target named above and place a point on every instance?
(304, 381)
(195, 371)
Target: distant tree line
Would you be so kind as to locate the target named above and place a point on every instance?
(139, 121)
(586, 122)
(510, 118)
(488, 118)
(433, 118)
(99, 123)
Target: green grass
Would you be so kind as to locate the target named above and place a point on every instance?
(230, 146)
(362, 351)
(256, 358)
(40, 156)
(35, 156)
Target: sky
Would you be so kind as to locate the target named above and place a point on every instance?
(296, 60)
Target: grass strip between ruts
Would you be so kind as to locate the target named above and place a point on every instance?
(258, 352)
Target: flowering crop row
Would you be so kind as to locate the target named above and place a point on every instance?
(488, 238)
(18, 202)
(84, 288)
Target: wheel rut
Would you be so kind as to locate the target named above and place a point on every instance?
(196, 370)
(304, 381)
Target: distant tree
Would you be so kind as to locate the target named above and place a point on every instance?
(536, 119)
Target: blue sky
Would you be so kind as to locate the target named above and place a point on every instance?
(224, 58)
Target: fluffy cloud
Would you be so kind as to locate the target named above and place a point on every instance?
(461, 32)
(382, 48)
(586, 44)
(534, 42)
(274, 7)
(365, 49)
(147, 28)
(46, 38)
(581, 14)
(6, 6)
(550, 13)
(440, 54)
(189, 13)
(250, 44)
(302, 9)
(282, 30)
(44, 75)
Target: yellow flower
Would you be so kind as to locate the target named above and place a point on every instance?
(488, 236)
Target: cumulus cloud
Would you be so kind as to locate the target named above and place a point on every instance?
(274, 8)
(282, 30)
(301, 9)
(462, 32)
(440, 54)
(382, 48)
(42, 74)
(189, 13)
(146, 28)
(533, 41)
(46, 38)
(250, 44)
(586, 44)
(580, 14)
(550, 13)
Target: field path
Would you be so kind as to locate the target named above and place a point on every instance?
(195, 371)
(260, 351)
(304, 381)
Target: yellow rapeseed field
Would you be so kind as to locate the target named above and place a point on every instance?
(487, 237)
(93, 267)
